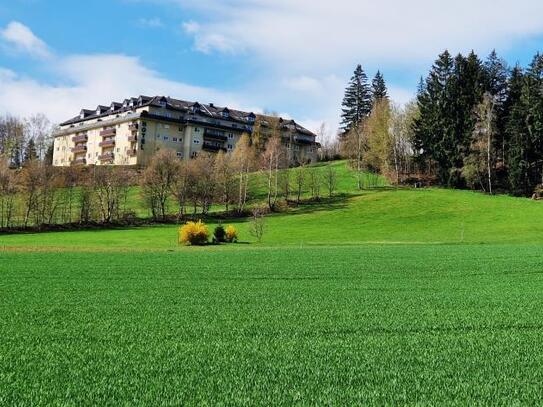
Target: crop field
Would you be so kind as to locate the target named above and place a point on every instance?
(375, 297)
(379, 324)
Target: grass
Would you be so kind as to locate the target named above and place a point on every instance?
(349, 325)
(376, 297)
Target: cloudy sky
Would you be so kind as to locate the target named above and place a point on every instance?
(289, 56)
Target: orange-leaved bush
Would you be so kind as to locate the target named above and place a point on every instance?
(231, 234)
(194, 233)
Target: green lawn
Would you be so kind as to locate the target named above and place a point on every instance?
(376, 297)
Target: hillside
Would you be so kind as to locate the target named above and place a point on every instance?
(379, 215)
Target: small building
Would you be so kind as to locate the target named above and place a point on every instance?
(129, 133)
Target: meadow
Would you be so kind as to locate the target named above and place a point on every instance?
(382, 296)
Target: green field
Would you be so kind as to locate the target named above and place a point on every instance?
(380, 297)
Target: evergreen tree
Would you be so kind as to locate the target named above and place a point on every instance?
(467, 91)
(434, 129)
(378, 88)
(357, 101)
(515, 133)
(30, 152)
(532, 96)
(496, 75)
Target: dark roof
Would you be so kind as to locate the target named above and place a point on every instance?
(210, 110)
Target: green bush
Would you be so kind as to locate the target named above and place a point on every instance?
(219, 234)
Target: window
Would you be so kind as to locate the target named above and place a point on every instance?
(196, 141)
(180, 128)
(196, 129)
(230, 136)
(230, 146)
(174, 139)
(194, 154)
(118, 150)
(166, 138)
(180, 140)
(179, 154)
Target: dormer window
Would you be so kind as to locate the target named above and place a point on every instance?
(251, 118)
(225, 113)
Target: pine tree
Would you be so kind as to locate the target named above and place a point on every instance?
(496, 75)
(532, 96)
(357, 101)
(30, 152)
(434, 128)
(516, 135)
(378, 88)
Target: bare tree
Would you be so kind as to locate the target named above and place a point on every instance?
(258, 224)
(225, 178)
(353, 147)
(299, 180)
(243, 159)
(158, 180)
(110, 186)
(8, 191)
(331, 179)
(271, 163)
(39, 128)
(315, 182)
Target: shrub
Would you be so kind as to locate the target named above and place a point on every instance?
(231, 234)
(194, 233)
(219, 234)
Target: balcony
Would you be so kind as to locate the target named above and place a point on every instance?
(215, 134)
(212, 147)
(79, 149)
(132, 153)
(304, 139)
(132, 139)
(80, 138)
(107, 143)
(133, 126)
(108, 132)
(106, 157)
(79, 161)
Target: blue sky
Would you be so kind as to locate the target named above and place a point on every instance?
(289, 56)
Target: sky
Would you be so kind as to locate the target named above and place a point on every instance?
(293, 57)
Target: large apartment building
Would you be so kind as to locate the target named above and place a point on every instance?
(129, 133)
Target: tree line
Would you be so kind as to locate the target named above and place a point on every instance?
(38, 195)
(474, 124)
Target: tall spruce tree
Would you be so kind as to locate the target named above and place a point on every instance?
(467, 91)
(357, 101)
(517, 146)
(378, 88)
(30, 152)
(434, 128)
(532, 96)
(496, 75)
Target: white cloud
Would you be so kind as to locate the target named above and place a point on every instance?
(89, 80)
(322, 35)
(22, 39)
(153, 22)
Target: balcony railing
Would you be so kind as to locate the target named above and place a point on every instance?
(108, 132)
(106, 157)
(79, 161)
(107, 143)
(215, 134)
(80, 138)
(133, 126)
(132, 153)
(132, 139)
(304, 139)
(212, 147)
(79, 149)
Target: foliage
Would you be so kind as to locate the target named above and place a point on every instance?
(193, 233)
(356, 104)
(258, 224)
(219, 234)
(231, 234)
